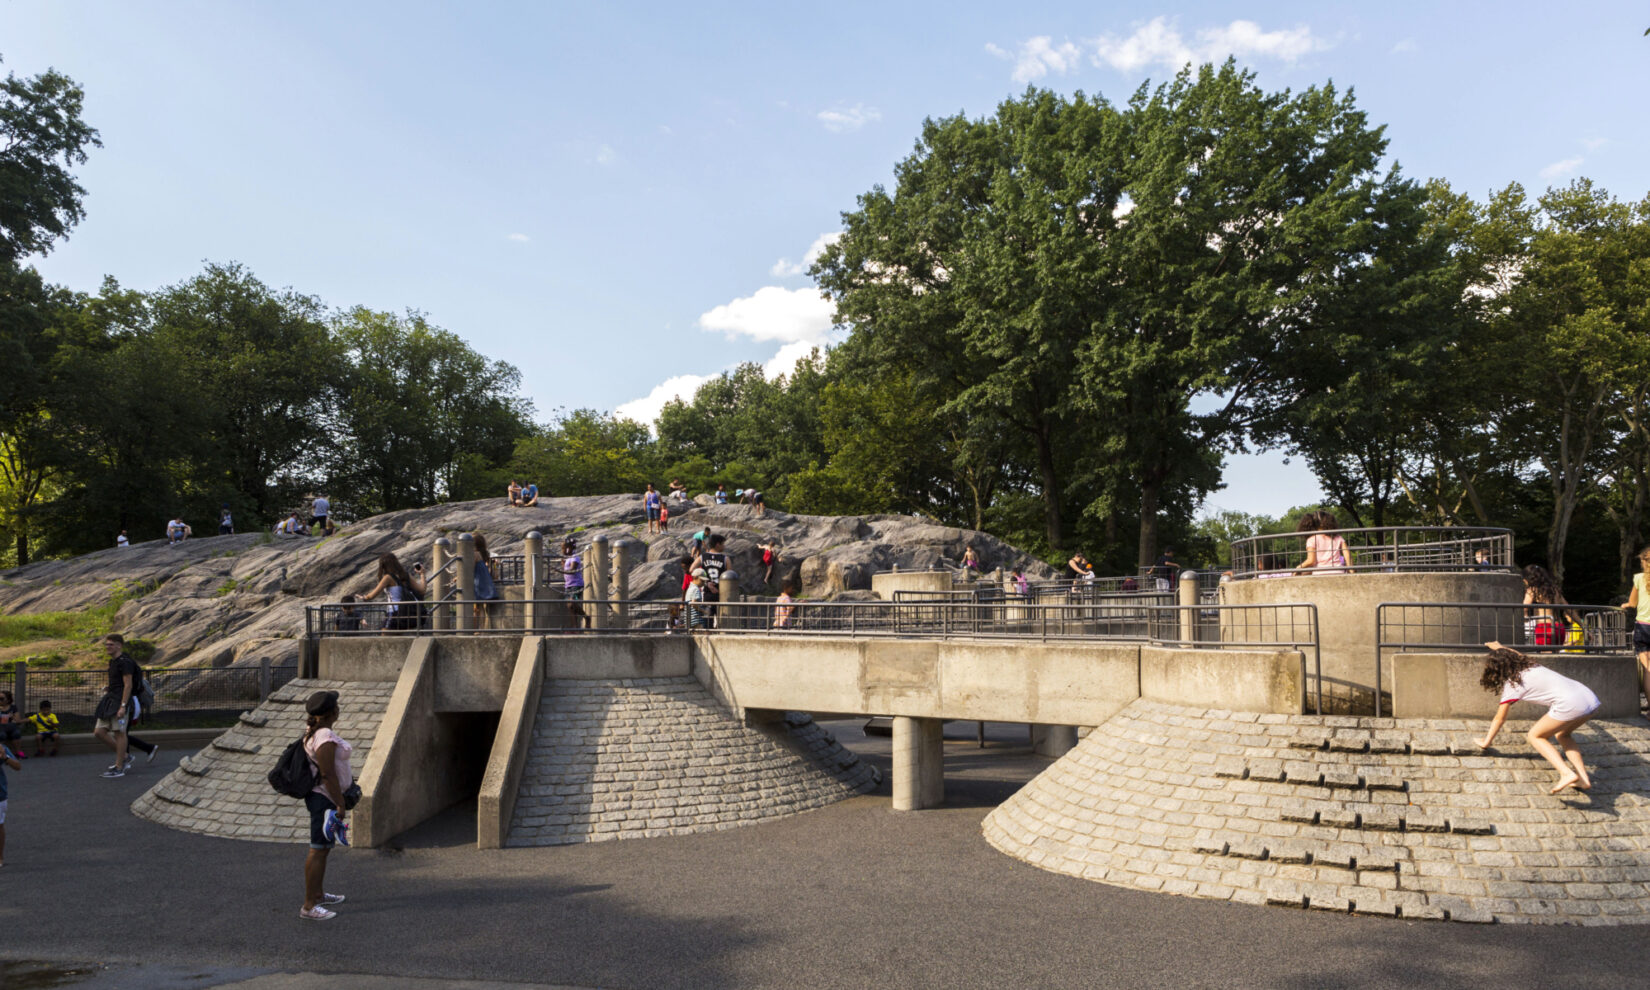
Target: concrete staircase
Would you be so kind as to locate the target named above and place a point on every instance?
(224, 790)
(620, 759)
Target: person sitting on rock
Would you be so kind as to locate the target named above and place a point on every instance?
(1569, 705)
(529, 495)
(514, 492)
(177, 531)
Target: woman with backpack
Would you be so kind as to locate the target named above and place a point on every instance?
(327, 803)
(398, 586)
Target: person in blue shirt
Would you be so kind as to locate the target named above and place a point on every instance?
(529, 495)
(721, 494)
(650, 501)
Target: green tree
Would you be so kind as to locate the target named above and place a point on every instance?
(42, 137)
(584, 452)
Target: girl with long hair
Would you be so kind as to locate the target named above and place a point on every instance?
(1326, 551)
(399, 587)
(334, 794)
(1542, 626)
(486, 590)
(1638, 606)
(1569, 705)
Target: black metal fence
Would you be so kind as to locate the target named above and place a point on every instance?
(184, 696)
(1379, 549)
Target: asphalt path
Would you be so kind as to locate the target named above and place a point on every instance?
(854, 895)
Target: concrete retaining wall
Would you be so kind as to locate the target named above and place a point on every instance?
(1445, 685)
(496, 802)
(1346, 617)
(885, 583)
(1234, 680)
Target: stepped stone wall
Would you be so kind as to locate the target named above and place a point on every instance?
(620, 759)
(224, 790)
(1378, 816)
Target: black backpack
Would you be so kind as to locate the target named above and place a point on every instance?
(293, 775)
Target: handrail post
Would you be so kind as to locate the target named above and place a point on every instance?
(442, 584)
(596, 582)
(466, 579)
(532, 579)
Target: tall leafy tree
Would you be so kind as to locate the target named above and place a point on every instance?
(42, 137)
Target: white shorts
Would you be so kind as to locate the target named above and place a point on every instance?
(1575, 708)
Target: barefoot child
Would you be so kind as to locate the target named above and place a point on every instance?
(1569, 705)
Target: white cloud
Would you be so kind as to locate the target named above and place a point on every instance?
(1040, 56)
(1562, 167)
(518, 238)
(784, 362)
(1594, 144)
(784, 266)
(646, 409)
(1159, 42)
(773, 313)
(605, 155)
(1405, 47)
(851, 119)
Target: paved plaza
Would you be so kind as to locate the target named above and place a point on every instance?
(849, 895)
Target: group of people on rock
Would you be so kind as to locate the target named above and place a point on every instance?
(657, 504)
(320, 524)
(522, 496)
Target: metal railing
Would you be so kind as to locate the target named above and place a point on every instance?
(184, 696)
(512, 570)
(1464, 627)
(1379, 549)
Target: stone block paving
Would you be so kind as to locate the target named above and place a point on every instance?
(622, 759)
(224, 790)
(1404, 818)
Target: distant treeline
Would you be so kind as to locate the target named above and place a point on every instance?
(1060, 319)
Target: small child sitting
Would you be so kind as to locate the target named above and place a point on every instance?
(45, 728)
(1569, 705)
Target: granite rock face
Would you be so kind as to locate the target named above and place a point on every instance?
(217, 601)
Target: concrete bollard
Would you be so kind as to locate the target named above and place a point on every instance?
(621, 583)
(1188, 608)
(727, 592)
(466, 580)
(532, 581)
(442, 584)
(596, 573)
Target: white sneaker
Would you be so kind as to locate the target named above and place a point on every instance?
(317, 913)
(332, 899)
(114, 772)
(152, 753)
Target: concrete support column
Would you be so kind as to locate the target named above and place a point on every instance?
(1053, 740)
(442, 584)
(466, 579)
(1188, 607)
(919, 763)
(533, 580)
(621, 582)
(596, 572)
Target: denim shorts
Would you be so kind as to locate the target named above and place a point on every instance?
(1641, 637)
(318, 804)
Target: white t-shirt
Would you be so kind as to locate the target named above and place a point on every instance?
(340, 762)
(122, 541)
(1544, 686)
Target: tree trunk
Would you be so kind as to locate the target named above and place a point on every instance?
(1148, 521)
(1051, 488)
(22, 545)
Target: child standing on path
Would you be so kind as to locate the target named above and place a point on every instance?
(1569, 705)
(9, 760)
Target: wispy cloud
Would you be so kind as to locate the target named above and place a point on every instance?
(1037, 57)
(1562, 167)
(774, 313)
(784, 266)
(1406, 47)
(1594, 144)
(605, 155)
(518, 238)
(1159, 42)
(850, 119)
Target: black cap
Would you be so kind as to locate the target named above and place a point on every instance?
(322, 702)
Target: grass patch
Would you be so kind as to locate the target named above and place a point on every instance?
(228, 587)
(16, 630)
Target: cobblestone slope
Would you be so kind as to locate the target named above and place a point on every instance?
(224, 790)
(1377, 816)
(622, 759)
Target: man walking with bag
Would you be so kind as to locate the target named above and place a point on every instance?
(114, 710)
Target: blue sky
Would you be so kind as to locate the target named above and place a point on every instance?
(614, 197)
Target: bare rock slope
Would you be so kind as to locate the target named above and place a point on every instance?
(223, 600)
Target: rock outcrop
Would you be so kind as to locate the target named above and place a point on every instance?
(228, 600)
